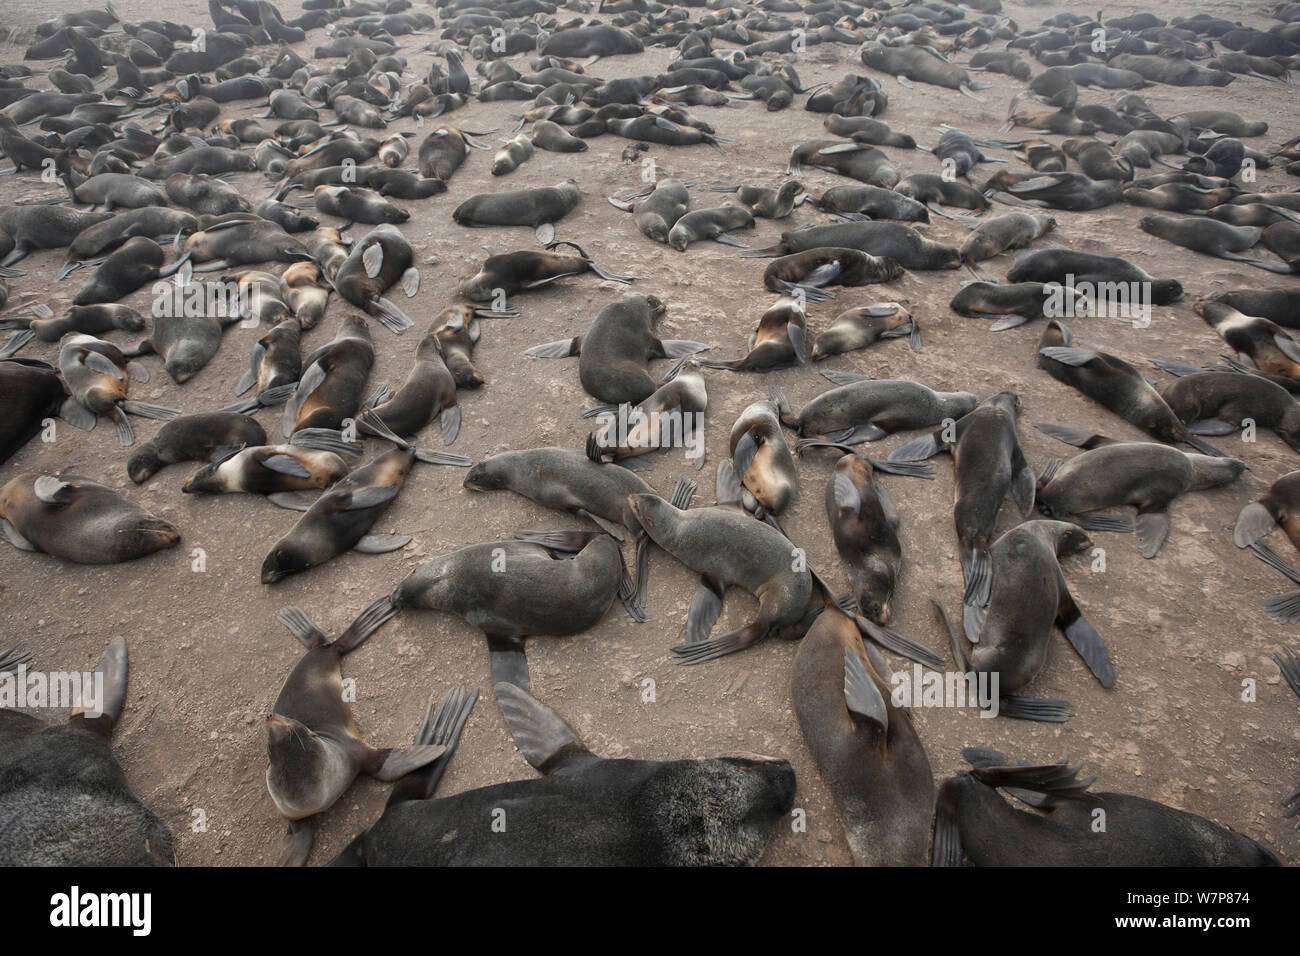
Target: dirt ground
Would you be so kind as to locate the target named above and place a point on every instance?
(208, 657)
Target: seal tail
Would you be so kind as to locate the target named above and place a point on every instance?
(375, 616)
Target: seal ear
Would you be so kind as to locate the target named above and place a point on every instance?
(541, 734)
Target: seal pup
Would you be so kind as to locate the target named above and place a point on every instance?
(550, 584)
(974, 822)
(992, 238)
(1268, 345)
(1112, 383)
(922, 65)
(1012, 305)
(657, 213)
(989, 465)
(872, 201)
(666, 418)
(1280, 505)
(1217, 403)
(613, 352)
(504, 274)
(762, 462)
(866, 748)
(313, 745)
(891, 240)
(64, 792)
(96, 374)
(333, 380)
(726, 547)
(1146, 475)
(862, 409)
(1029, 597)
(381, 259)
(714, 812)
(859, 161)
(77, 520)
(543, 206)
(429, 392)
(1211, 237)
(1054, 265)
(1281, 306)
(861, 327)
(715, 223)
(807, 273)
(305, 291)
(766, 202)
(193, 438)
(274, 366)
(267, 470)
(780, 341)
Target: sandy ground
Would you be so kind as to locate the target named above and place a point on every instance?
(207, 656)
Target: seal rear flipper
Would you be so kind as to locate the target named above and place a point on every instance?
(1084, 638)
(398, 762)
(977, 568)
(390, 316)
(1288, 662)
(1054, 783)
(325, 439)
(1095, 521)
(891, 640)
(727, 487)
(1010, 321)
(947, 849)
(861, 695)
(721, 646)
(1253, 523)
(844, 378)
(250, 377)
(381, 543)
(442, 458)
(290, 500)
(410, 282)
(1265, 553)
(441, 729)
(706, 608)
(1204, 447)
(310, 381)
(125, 436)
(246, 407)
(1078, 437)
(681, 348)
(375, 615)
(553, 350)
(1023, 490)
(1176, 368)
(1068, 355)
(954, 639)
(17, 341)
(145, 410)
(297, 842)
(972, 620)
(300, 626)
(683, 492)
(11, 535)
(1042, 709)
(544, 738)
(1152, 532)
(15, 657)
(370, 496)
(1284, 607)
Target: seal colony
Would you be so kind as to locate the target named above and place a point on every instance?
(306, 184)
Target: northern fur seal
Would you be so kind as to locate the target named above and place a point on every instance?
(920, 64)
(1281, 306)
(973, 821)
(613, 352)
(865, 746)
(1015, 230)
(1146, 475)
(78, 520)
(713, 812)
(192, 438)
(762, 461)
(863, 409)
(1280, 505)
(715, 223)
(662, 420)
(860, 327)
(313, 744)
(64, 793)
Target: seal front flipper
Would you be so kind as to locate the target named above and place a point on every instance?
(859, 434)
(892, 641)
(1078, 437)
(919, 449)
(297, 843)
(1086, 641)
(13, 537)
(861, 695)
(290, 500)
(1254, 522)
(542, 736)
(390, 316)
(1152, 531)
(560, 349)
(1211, 426)
(374, 543)
(681, 348)
(947, 850)
(1096, 521)
(1205, 448)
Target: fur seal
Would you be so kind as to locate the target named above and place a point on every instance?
(973, 821)
(920, 64)
(1144, 474)
(860, 327)
(429, 392)
(890, 240)
(613, 352)
(780, 340)
(333, 380)
(1019, 302)
(989, 465)
(136, 262)
(457, 329)
(813, 269)
(1015, 230)
(96, 374)
(861, 409)
(765, 202)
(863, 129)
(30, 392)
(1216, 403)
(444, 150)
(511, 272)
(30, 228)
(657, 213)
(859, 161)
(523, 207)
(866, 748)
(1009, 635)
(699, 224)
(1281, 306)
(872, 201)
(267, 470)
(1073, 192)
(726, 547)
(714, 812)
(357, 205)
(1269, 346)
(381, 259)
(1053, 265)
(303, 289)
(314, 748)
(79, 521)
(762, 462)
(192, 438)
(274, 366)
(1212, 238)
(65, 794)
(662, 420)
